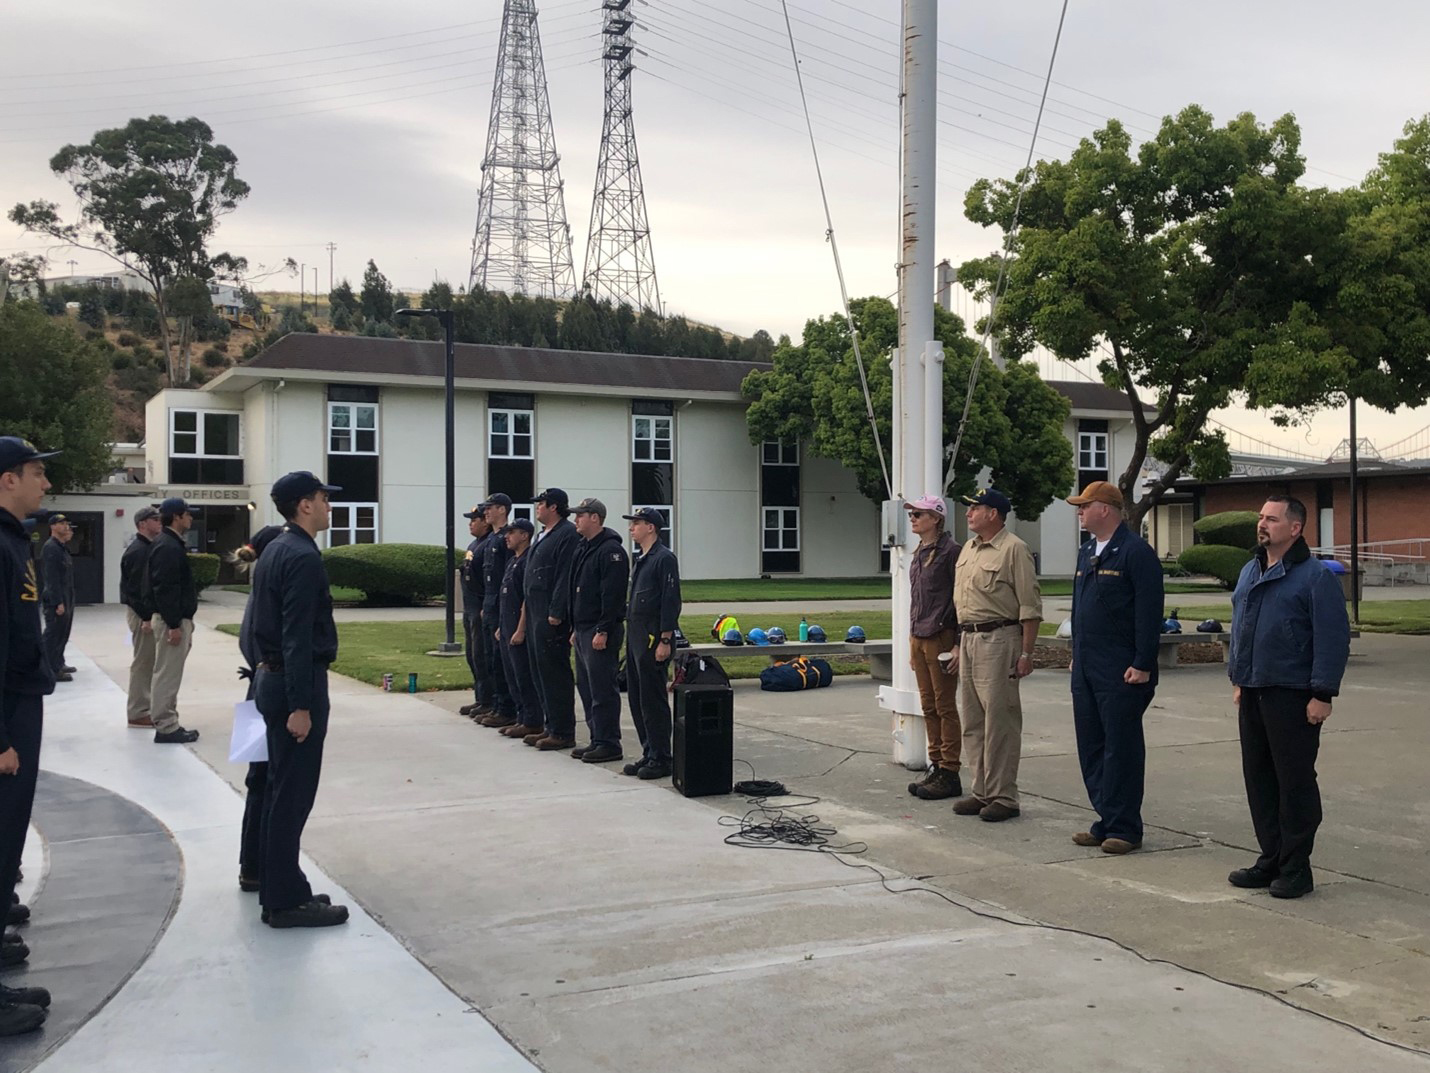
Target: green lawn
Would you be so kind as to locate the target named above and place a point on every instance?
(739, 590)
(340, 594)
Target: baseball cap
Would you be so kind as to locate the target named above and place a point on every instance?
(145, 514)
(519, 523)
(989, 497)
(56, 518)
(646, 514)
(934, 504)
(554, 497)
(15, 450)
(476, 512)
(1098, 492)
(300, 484)
(590, 505)
(498, 499)
(175, 505)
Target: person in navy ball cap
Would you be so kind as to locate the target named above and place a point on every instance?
(172, 594)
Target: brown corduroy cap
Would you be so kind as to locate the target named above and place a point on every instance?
(1098, 492)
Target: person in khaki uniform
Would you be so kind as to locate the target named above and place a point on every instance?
(174, 598)
(995, 589)
(133, 565)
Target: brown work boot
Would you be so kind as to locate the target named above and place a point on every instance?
(142, 723)
(928, 775)
(550, 744)
(1086, 838)
(536, 737)
(941, 785)
(499, 722)
(997, 812)
(968, 806)
(518, 730)
(1119, 845)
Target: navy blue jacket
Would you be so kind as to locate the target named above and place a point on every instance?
(495, 556)
(471, 570)
(288, 623)
(599, 579)
(57, 571)
(23, 667)
(1289, 626)
(171, 579)
(548, 574)
(132, 566)
(655, 591)
(1117, 607)
(510, 596)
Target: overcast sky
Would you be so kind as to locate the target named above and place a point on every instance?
(367, 132)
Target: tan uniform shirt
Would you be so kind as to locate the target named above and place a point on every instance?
(994, 579)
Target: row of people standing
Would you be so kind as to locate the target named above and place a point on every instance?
(975, 614)
(571, 589)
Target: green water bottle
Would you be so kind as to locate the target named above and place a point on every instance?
(803, 629)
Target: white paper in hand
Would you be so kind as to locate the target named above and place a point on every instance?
(249, 744)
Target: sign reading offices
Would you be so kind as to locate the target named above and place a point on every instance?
(207, 495)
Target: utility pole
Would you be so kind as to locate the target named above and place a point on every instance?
(72, 263)
(620, 264)
(302, 285)
(918, 450)
(332, 248)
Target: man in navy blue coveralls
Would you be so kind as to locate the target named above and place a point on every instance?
(1116, 624)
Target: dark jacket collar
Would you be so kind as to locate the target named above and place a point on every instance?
(1298, 552)
(9, 521)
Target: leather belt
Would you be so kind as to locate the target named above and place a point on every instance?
(987, 627)
(271, 666)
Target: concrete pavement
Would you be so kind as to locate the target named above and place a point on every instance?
(601, 923)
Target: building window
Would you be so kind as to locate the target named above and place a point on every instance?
(651, 439)
(510, 433)
(779, 453)
(1092, 450)
(353, 523)
(781, 529)
(667, 529)
(352, 428)
(204, 447)
(522, 510)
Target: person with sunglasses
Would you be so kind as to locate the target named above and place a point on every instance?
(933, 632)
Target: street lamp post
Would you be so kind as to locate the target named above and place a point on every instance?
(444, 316)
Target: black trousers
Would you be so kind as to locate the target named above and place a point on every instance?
(596, 673)
(293, 771)
(24, 723)
(476, 652)
(57, 635)
(525, 697)
(1278, 762)
(1107, 715)
(549, 649)
(250, 845)
(646, 692)
(502, 698)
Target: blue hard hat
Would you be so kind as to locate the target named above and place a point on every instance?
(775, 635)
(1171, 625)
(855, 634)
(732, 637)
(757, 636)
(1210, 625)
(817, 635)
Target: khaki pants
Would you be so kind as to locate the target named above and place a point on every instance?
(141, 667)
(938, 696)
(168, 673)
(992, 712)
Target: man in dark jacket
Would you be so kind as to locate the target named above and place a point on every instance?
(495, 556)
(511, 633)
(654, 618)
(599, 581)
(57, 597)
(1116, 631)
(1290, 640)
(133, 565)
(25, 680)
(288, 625)
(473, 593)
(548, 619)
(175, 600)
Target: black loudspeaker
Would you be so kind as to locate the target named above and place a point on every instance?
(704, 742)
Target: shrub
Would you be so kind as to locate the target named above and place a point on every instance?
(120, 361)
(93, 335)
(128, 339)
(392, 574)
(198, 374)
(142, 380)
(205, 569)
(214, 359)
(91, 310)
(1219, 560)
(1232, 528)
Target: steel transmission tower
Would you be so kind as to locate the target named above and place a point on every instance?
(619, 262)
(523, 243)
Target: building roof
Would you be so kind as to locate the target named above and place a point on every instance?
(1085, 395)
(1367, 470)
(362, 358)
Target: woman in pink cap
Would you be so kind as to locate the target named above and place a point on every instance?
(933, 626)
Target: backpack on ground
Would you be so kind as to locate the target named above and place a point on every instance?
(792, 675)
(695, 669)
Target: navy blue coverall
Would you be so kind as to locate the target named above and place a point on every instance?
(1116, 622)
(654, 613)
(518, 665)
(57, 569)
(599, 580)
(494, 557)
(548, 595)
(473, 593)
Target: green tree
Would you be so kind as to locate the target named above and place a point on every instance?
(812, 393)
(20, 271)
(53, 390)
(437, 296)
(1186, 268)
(151, 195)
(648, 335)
(91, 310)
(580, 327)
(375, 302)
(342, 320)
(343, 295)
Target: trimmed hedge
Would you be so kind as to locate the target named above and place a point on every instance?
(391, 574)
(1219, 560)
(205, 569)
(1232, 528)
